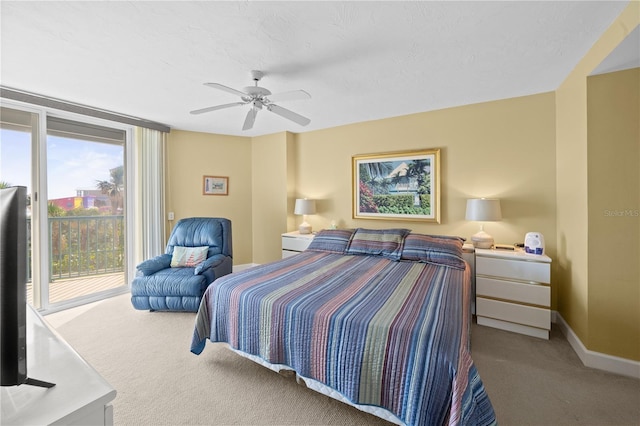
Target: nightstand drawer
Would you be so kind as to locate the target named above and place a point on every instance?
(511, 312)
(287, 253)
(531, 294)
(515, 269)
(295, 244)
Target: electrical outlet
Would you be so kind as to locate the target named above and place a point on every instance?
(170, 216)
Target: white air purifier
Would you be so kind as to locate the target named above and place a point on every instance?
(534, 243)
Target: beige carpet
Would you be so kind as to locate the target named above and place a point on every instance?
(532, 381)
(146, 357)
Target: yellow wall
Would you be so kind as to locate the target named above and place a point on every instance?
(613, 148)
(192, 155)
(572, 219)
(273, 168)
(573, 242)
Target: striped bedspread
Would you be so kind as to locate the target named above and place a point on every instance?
(393, 334)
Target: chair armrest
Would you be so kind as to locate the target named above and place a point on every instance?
(211, 262)
(153, 265)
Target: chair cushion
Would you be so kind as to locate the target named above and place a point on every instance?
(170, 282)
(198, 232)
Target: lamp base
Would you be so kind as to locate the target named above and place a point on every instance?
(482, 240)
(304, 228)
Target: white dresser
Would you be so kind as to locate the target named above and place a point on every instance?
(80, 395)
(295, 242)
(513, 291)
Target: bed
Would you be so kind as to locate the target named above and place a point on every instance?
(379, 319)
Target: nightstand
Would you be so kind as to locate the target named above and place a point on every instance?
(513, 291)
(295, 242)
(469, 254)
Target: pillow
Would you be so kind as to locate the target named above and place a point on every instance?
(443, 250)
(378, 242)
(188, 256)
(331, 240)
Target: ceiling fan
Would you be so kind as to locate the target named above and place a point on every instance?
(259, 98)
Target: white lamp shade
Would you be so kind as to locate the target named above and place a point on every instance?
(483, 209)
(305, 206)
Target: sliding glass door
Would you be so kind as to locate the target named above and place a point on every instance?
(86, 214)
(76, 178)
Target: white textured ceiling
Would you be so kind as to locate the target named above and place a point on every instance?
(359, 61)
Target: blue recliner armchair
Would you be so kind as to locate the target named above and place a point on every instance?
(159, 286)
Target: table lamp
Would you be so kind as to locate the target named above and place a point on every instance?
(304, 207)
(483, 210)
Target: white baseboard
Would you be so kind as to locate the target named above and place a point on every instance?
(238, 268)
(601, 361)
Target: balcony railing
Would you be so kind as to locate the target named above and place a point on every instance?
(84, 245)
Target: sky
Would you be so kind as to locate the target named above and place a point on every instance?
(72, 164)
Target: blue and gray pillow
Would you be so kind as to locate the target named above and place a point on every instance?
(440, 249)
(331, 240)
(378, 242)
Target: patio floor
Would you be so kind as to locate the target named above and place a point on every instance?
(70, 288)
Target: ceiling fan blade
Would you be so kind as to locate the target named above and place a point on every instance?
(214, 108)
(290, 115)
(293, 95)
(225, 89)
(250, 119)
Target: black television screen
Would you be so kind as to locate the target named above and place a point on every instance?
(13, 280)
(13, 288)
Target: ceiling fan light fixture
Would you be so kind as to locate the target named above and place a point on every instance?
(257, 97)
(256, 91)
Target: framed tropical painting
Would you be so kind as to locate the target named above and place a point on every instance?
(397, 186)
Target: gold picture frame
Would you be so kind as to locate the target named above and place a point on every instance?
(397, 186)
(215, 185)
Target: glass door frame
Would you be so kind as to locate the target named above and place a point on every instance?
(39, 209)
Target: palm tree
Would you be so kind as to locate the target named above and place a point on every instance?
(374, 175)
(4, 184)
(417, 169)
(378, 169)
(55, 211)
(114, 189)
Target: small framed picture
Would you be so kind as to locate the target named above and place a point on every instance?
(215, 185)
